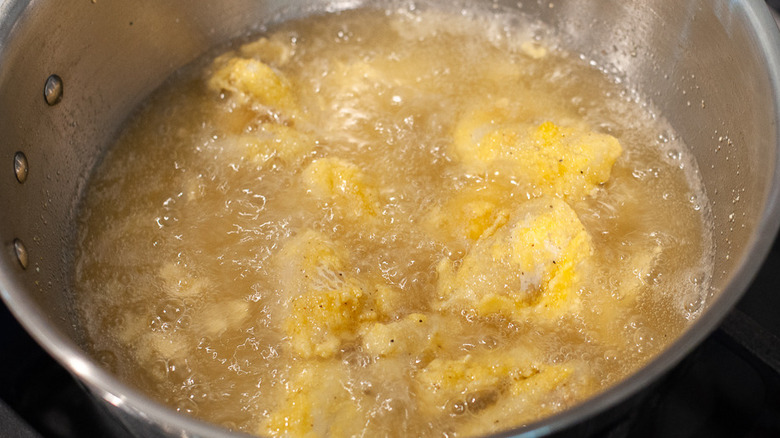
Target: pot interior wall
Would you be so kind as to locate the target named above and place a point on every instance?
(110, 56)
(701, 67)
(698, 62)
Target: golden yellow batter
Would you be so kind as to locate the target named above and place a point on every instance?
(401, 224)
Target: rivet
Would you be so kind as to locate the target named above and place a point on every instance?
(20, 167)
(52, 91)
(21, 253)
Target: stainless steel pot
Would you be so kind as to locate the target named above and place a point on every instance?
(712, 67)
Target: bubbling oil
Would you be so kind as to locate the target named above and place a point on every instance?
(201, 231)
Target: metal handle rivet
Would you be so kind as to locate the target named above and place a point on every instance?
(52, 91)
(21, 253)
(20, 167)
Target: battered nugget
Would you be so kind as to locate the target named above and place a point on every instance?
(252, 81)
(344, 185)
(325, 300)
(566, 161)
(529, 265)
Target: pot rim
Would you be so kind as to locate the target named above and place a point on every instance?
(127, 398)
